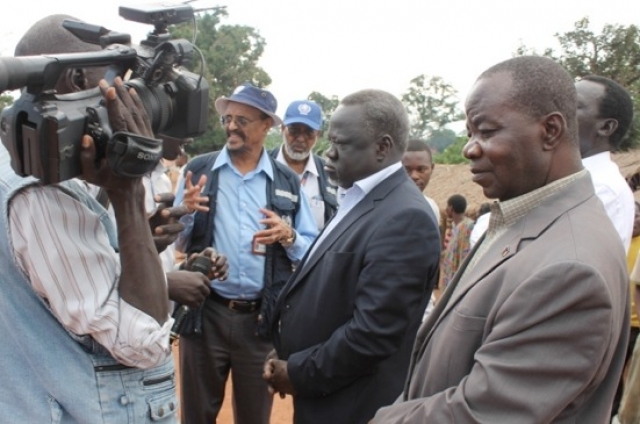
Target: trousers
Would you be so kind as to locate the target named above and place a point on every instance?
(228, 345)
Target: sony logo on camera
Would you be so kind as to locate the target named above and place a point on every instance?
(148, 156)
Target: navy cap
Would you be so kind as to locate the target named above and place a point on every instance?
(305, 112)
(252, 96)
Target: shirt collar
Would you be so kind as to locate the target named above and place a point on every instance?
(264, 164)
(508, 212)
(597, 159)
(369, 183)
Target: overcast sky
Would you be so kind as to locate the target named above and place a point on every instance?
(340, 46)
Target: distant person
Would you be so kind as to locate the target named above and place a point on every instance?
(605, 113)
(481, 224)
(253, 211)
(418, 162)
(459, 245)
(300, 129)
(177, 168)
(628, 408)
(346, 320)
(533, 329)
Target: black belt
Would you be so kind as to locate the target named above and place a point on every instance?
(245, 306)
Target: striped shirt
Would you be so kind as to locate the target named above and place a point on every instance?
(64, 251)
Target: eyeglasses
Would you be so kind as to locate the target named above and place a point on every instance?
(240, 121)
(308, 132)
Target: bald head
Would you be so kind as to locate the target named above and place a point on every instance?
(48, 36)
(540, 86)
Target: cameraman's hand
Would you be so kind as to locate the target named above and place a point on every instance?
(188, 287)
(219, 265)
(126, 113)
(126, 110)
(164, 223)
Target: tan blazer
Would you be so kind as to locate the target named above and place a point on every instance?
(534, 333)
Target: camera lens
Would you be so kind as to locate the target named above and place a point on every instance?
(157, 102)
(201, 264)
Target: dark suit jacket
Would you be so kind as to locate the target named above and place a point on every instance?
(349, 314)
(535, 332)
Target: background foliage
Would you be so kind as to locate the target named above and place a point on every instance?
(613, 53)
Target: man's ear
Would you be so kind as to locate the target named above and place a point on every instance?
(606, 127)
(554, 126)
(72, 80)
(384, 146)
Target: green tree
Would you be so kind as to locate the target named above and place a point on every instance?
(328, 106)
(431, 104)
(231, 54)
(453, 153)
(5, 100)
(613, 53)
(440, 139)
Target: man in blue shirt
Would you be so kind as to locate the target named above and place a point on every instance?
(252, 210)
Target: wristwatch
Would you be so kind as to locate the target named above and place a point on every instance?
(286, 242)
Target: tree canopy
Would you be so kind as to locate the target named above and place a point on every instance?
(432, 103)
(5, 100)
(231, 54)
(613, 53)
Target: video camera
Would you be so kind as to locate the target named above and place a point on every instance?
(42, 130)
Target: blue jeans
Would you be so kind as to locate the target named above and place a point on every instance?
(137, 396)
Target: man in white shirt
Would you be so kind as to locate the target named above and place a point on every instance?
(605, 111)
(300, 129)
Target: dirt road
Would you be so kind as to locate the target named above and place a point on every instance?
(282, 412)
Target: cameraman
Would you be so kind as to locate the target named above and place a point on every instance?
(81, 310)
(48, 36)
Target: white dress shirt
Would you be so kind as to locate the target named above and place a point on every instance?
(614, 192)
(309, 181)
(434, 207)
(349, 198)
(64, 251)
(479, 228)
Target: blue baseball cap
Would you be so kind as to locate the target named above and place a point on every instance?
(305, 112)
(252, 96)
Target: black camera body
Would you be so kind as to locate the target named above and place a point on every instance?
(42, 130)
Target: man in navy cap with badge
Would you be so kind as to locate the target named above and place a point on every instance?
(300, 131)
(252, 209)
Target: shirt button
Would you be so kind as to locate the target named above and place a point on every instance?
(124, 400)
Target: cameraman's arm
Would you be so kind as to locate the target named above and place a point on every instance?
(142, 281)
(64, 250)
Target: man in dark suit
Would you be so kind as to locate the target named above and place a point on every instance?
(346, 320)
(533, 327)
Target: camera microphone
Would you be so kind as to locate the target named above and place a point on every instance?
(201, 264)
